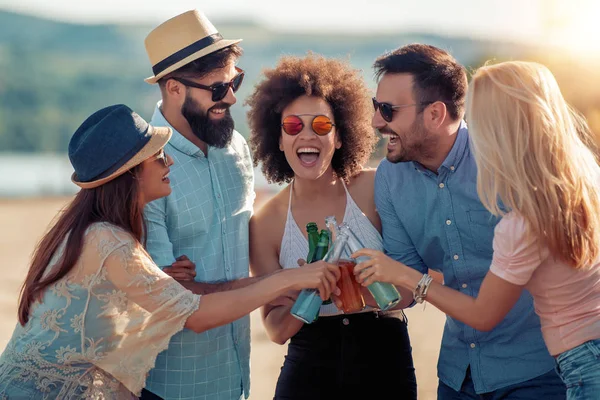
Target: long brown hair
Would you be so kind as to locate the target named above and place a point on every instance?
(116, 202)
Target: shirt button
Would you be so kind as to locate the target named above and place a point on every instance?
(452, 168)
(346, 321)
(441, 185)
(455, 257)
(218, 196)
(464, 285)
(448, 222)
(472, 345)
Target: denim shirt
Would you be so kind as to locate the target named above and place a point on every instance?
(436, 221)
(206, 218)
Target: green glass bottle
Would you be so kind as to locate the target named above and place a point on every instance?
(313, 239)
(322, 247)
(307, 305)
(321, 250)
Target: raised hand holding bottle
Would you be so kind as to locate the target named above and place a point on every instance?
(306, 308)
(385, 294)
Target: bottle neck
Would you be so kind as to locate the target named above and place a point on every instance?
(337, 248)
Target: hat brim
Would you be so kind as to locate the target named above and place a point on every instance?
(221, 44)
(159, 138)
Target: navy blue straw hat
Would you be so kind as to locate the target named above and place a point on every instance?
(110, 142)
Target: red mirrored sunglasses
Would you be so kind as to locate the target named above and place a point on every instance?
(293, 124)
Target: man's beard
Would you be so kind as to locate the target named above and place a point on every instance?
(417, 150)
(213, 133)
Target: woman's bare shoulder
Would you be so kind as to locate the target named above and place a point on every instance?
(364, 180)
(275, 207)
(362, 190)
(266, 230)
(269, 220)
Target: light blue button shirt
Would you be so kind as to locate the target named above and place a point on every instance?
(206, 218)
(437, 221)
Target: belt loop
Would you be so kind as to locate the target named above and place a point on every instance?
(593, 347)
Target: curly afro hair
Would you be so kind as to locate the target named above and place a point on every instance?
(337, 83)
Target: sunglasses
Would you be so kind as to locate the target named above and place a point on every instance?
(293, 124)
(219, 90)
(387, 110)
(162, 156)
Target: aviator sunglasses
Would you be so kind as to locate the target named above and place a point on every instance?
(162, 156)
(293, 124)
(387, 110)
(219, 90)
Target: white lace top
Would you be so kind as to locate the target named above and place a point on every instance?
(294, 245)
(97, 332)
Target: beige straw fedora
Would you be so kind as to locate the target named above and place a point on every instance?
(181, 40)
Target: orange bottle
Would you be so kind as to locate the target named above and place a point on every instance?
(350, 296)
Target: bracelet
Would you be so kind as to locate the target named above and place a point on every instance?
(420, 291)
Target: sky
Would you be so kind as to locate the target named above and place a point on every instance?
(485, 17)
(560, 21)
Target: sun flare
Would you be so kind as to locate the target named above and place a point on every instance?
(574, 25)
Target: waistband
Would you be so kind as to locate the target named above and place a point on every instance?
(371, 314)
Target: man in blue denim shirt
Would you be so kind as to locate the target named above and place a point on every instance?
(426, 195)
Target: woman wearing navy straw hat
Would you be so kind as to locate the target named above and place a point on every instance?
(95, 311)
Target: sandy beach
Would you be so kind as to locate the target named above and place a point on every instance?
(24, 221)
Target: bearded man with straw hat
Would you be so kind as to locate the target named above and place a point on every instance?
(199, 233)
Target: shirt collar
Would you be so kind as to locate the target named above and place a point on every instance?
(456, 153)
(458, 149)
(177, 140)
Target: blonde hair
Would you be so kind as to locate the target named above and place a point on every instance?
(532, 155)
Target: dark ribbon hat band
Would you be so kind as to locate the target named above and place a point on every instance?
(185, 52)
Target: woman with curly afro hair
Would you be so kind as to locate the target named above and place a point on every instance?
(310, 122)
